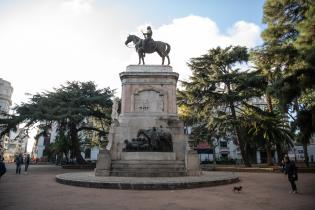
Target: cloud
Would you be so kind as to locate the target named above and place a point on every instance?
(78, 6)
(192, 36)
(47, 43)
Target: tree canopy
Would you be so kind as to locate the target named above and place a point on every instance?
(218, 88)
(70, 106)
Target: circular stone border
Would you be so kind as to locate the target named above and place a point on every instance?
(88, 179)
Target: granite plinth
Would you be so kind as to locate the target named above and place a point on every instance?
(148, 68)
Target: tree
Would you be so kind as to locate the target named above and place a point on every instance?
(61, 146)
(69, 106)
(265, 63)
(283, 40)
(217, 84)
(305, 43)
(267, 129)
(305, 121)
(289, 40)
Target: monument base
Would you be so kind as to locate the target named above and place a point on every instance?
(207, 179)
(148, 114)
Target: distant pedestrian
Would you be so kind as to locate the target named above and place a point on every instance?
(291, 171)
(18, 162)
(27, 162)
(2, 167)
(283, 163)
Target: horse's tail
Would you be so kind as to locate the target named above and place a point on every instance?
(168, 49)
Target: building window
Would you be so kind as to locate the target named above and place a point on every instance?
(87, 153)
(224, 156)
(223, 144)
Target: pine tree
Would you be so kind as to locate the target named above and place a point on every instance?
(289, 42)
(217, 88)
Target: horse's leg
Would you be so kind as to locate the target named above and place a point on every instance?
(139, 59)
(168, 58)
(161, 53)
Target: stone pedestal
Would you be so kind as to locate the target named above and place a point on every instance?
(192, 164)
(103, 164)
(148, 100)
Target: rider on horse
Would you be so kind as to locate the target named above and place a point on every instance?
(144, 45)
(148, 45)
(147, 37)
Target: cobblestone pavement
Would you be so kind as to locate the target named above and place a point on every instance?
(38, 190)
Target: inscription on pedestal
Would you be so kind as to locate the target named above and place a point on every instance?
(149, 101)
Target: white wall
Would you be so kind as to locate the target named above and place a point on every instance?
(40, 147)
(94, 153)
(204, 157)
(298, 153)
(53, 132)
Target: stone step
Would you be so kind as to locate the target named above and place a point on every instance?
(146, 168)
(153, 169)
(148, 162)
(147, 174)
(155, 166)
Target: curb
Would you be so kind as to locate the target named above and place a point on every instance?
(147, 186)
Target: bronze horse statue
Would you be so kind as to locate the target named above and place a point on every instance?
(162, 48)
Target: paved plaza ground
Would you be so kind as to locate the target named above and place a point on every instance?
(38, 190)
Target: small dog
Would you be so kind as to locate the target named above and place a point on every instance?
(238, 189)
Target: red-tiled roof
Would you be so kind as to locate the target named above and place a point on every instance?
(203, 146)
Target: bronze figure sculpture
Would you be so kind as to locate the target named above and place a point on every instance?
(148, 45)
(150, 140)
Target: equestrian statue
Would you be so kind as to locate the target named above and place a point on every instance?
(148, 45)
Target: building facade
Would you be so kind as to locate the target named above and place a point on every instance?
(43, 141)
(6, 91)
(225, 149)
(297, 152)
(15, 143)
(42, 144)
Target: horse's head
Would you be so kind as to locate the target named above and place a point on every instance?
(129, 39)
(132, 38)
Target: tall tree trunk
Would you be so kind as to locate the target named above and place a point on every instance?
(66, 156)
(306, 155)
(237, 130)
(306, 138)
(269, 154)
(75, 144)
(239, 138)
(242, 147)
(268, 146)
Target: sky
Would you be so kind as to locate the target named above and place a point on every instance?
(44, 43)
